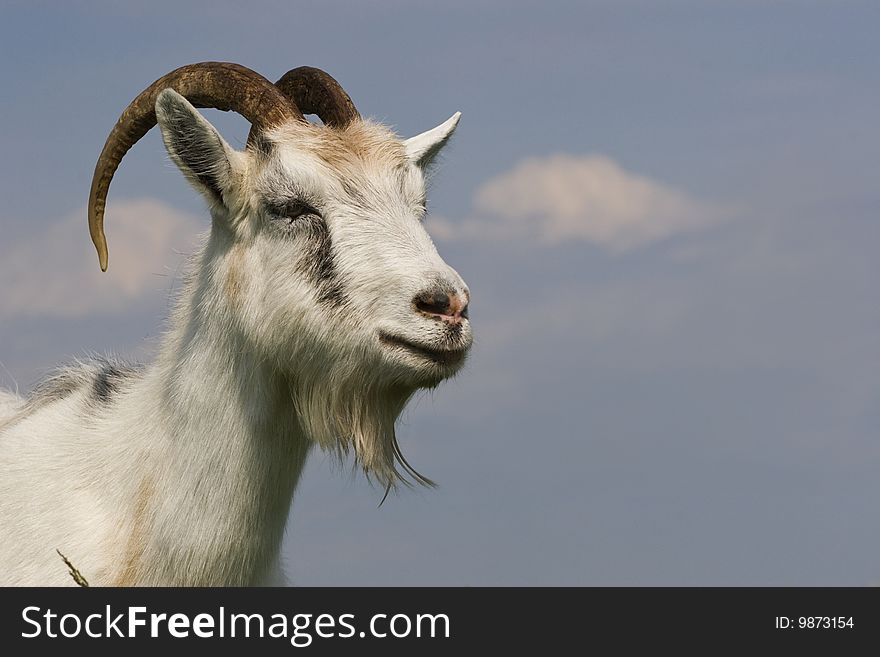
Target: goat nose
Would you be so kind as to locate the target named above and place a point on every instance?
(441, 305)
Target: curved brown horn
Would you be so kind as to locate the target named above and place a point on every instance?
(220, 85)
(316, 92)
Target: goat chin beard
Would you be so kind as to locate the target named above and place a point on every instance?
(357, 414)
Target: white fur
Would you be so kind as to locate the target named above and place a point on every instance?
(9, 404)
(183, 473)
(428, 143)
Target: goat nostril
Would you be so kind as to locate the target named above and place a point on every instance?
(433, 303)
(440, 305)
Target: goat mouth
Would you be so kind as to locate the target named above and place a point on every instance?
(450, 356)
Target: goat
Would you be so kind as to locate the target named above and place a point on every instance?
(316, 308)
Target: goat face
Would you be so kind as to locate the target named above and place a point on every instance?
(319, 249)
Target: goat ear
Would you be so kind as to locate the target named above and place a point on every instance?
(422, 148)
(195, 145)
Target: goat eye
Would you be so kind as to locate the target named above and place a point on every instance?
(290, 212)
(296, 210)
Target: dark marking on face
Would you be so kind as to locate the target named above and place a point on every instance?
(300, 220)
(319, 265)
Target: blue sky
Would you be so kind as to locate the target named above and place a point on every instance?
(668, 217)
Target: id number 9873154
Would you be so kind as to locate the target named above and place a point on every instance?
(814, 623)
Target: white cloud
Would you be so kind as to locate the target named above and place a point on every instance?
(55, 272)
(591, 198)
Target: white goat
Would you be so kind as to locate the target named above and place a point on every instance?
(316, 308)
